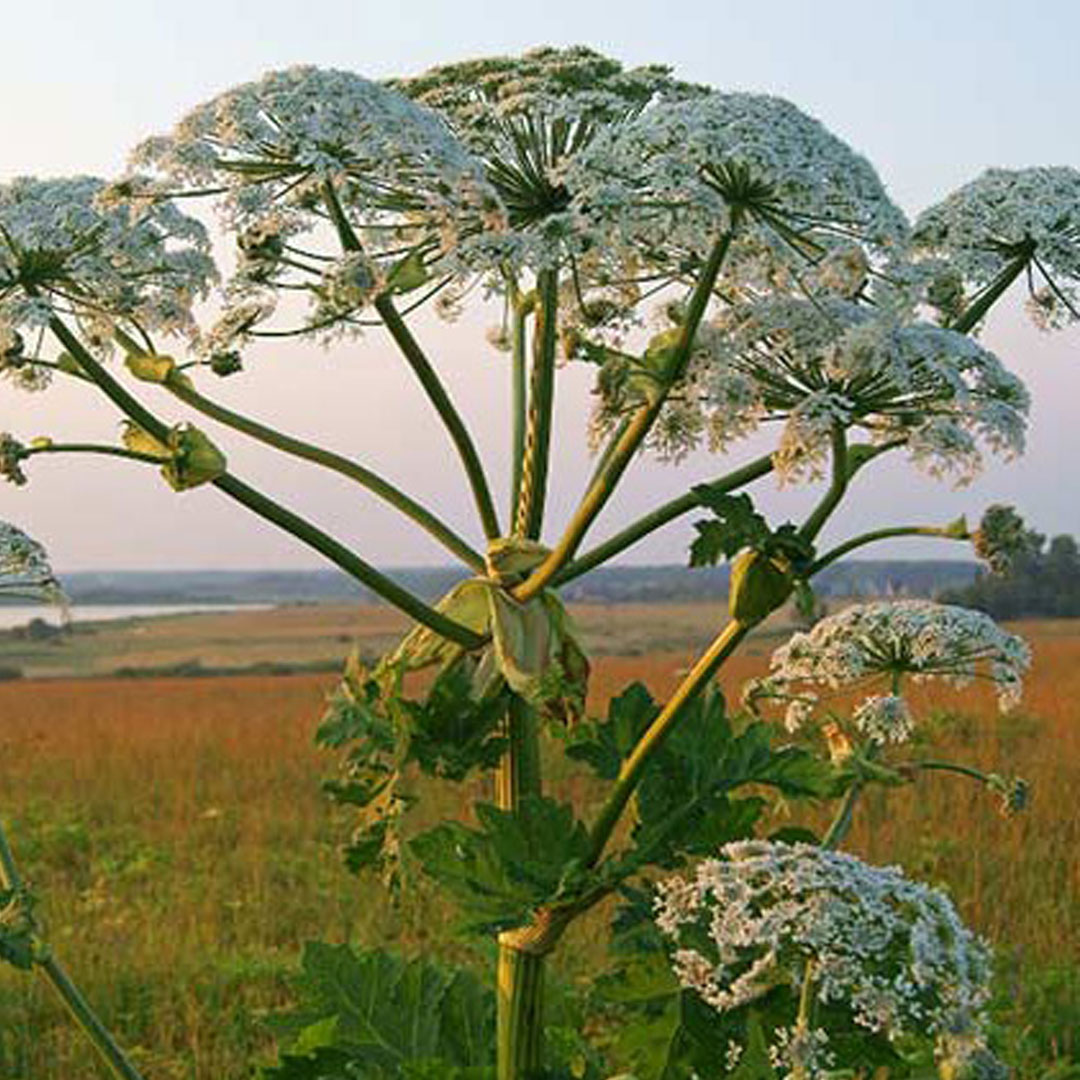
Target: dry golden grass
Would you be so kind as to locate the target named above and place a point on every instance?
(176, 833)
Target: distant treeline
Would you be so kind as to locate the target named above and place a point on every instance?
(1043, 580)
(606, 585)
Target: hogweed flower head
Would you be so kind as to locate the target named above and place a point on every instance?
(892, 952)
(67, 249)
(273, 152)
(1031, 215)
(678, 177)
(24, 565)
(530, 118)
(885, 643)
(831, 361)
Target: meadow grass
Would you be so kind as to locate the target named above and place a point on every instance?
(182, 850)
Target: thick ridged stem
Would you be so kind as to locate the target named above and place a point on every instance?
(520, 970)
(425, 373)
(629, 437)
(73, 1001)
(687, 691)
(533, 491)
(658, 518)
(267, 508)
(520, 1020)
(353, 470)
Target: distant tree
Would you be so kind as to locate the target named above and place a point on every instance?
(1024, 576)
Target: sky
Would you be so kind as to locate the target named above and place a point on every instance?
(931, 93)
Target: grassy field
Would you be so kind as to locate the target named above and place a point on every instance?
(176, 834)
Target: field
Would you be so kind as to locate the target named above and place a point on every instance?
(175, 831)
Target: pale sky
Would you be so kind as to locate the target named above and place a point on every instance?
(932, 93)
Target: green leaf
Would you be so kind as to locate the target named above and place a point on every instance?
(737, 525)
(370, 1014)
(451, 733)
(605, 744)
(518, 860)
(685, 804)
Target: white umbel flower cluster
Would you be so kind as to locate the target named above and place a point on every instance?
(673, 176)
(529, 119)
(893, 952)
(1006, 214)
(271, 150)
(885, 643)
(816, 364)
(24, 566)
(66, 249)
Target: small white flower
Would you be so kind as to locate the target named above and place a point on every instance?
(891, 951)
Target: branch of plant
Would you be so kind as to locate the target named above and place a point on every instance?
(659, 517)
(841, 476)
(269, 509)
(946, 532)
(426, 374)
(687, 691)
(984, 301)
(633, 435)
(181, 388)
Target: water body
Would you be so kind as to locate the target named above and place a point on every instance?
(20, 615)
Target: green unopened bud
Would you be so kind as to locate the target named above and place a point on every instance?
(760, 583)
(149, 367)
(195, 459)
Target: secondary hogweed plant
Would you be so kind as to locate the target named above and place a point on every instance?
(724, 265)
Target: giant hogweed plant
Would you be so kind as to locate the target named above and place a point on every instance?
(723, 263)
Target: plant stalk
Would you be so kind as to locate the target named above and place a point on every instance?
(990, 296)
(632, 435)
(374, 483)
(630, 774)
(429, 379)
(520, 971)
(272, 511)
(659, 517)
(537, 449)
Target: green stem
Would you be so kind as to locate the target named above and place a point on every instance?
(948, 766)
(352, 564)
(990, 296)
(95, 448)
(438, 396)
(182, 389)
(533, 492)
(630, 773)
(520, 1020)
(519, 401)
(84, 1016)
(51, 971)
(659, 517)
(841, 823)
(272, 511)
(423, 370)
(875, 535)
(837, 486)
(630, 437)
(520, 971)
